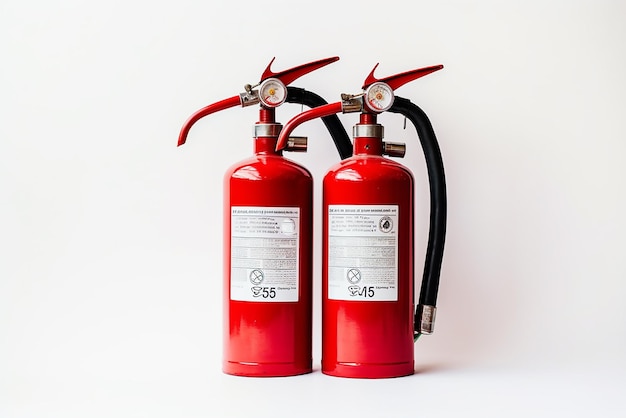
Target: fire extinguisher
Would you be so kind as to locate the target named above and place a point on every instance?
(268, 219)
(369, 318)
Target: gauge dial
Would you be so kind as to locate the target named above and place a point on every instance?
(379, 97)
(272, 92)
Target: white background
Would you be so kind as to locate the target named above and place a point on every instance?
(110, 236)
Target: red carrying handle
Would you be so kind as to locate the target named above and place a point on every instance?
(205, 111)
(394, 81)
(292, 74)
(286, 77)
(316, 112)
(398, 80)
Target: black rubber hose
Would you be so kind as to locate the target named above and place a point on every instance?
(332, 122)
(438, 201)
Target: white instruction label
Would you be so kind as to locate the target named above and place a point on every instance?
(363, 252)
(264, 249)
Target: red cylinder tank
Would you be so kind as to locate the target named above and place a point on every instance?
(268, 265)
(367, 273)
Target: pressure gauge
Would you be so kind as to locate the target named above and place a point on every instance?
(379, 97)
(272, 92)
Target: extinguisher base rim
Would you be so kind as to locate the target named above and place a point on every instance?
(265, 369)
(370, 371)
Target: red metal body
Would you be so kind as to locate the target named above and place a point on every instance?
(368, 307)
(268, 221)
(269, 338)
(361, 338)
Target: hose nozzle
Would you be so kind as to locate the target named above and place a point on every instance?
(425, 319)
(297, 144)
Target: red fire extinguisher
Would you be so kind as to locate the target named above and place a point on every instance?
(268, 219)
(369, 318)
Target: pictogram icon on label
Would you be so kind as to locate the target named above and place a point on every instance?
(354, 276)
(386, 224)
(354, 290)
(363, 252)
(265, 246)
(256, 276)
